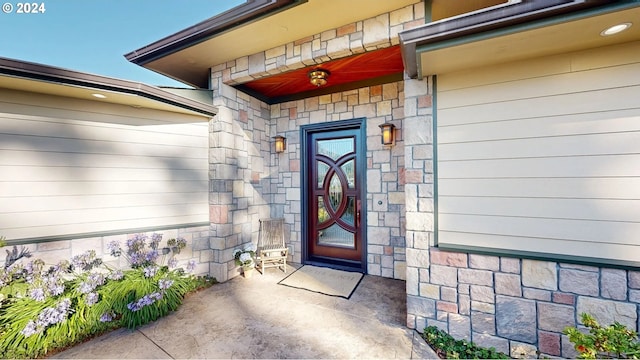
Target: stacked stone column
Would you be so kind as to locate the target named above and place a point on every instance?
(239, 181)
(419, 192)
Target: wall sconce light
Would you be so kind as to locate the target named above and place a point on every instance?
(281, 143)
(388, 133)
(318, 77)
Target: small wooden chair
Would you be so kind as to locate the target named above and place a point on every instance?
(272, 251)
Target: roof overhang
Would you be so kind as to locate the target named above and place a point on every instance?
(366, 69)
(515, 31)
(42, 79)
(248, 29)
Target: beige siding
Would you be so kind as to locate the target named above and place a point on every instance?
(62, 176)
(69, 108)
(543, 156)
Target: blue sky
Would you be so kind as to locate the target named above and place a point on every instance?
(93, 35)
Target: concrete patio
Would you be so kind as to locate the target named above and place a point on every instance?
(257, 318)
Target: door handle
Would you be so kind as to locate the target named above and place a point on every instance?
(358, 208)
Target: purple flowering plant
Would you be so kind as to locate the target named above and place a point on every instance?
(143, 251)
(34, 279)
(49, 299)
(61, 304)
(156, 283)
(48, 316)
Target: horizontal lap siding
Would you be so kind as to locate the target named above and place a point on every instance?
(60, 177)
(597, 188)
(543, 156)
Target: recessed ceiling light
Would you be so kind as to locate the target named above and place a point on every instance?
(612, 30)
(99, 96)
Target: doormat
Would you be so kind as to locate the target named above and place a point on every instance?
(323, 280)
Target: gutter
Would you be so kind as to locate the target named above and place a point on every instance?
(474, 25)
(243, 14)
(39, 72)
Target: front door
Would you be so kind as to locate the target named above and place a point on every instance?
(333, 194)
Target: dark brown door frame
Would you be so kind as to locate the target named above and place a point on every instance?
(361, 168)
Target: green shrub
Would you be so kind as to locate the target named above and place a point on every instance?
(44, 308)
(449, 348)
(612, 342)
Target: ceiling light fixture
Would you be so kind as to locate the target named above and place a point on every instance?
(318, 77)
(615, 29)
(99, 96)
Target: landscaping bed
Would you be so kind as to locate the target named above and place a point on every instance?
(44, 309)
(449, 348)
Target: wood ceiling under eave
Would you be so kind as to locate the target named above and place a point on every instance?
(190, 61)
(366, 69)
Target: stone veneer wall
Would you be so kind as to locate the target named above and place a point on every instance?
(520, 306)
(239, 173)
(385, 168)
(419, 196)
(369, 34)
(244, 128)
(197, 248)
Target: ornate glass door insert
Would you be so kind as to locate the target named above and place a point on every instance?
(334, 194)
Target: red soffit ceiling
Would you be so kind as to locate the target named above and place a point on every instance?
(370, 68)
